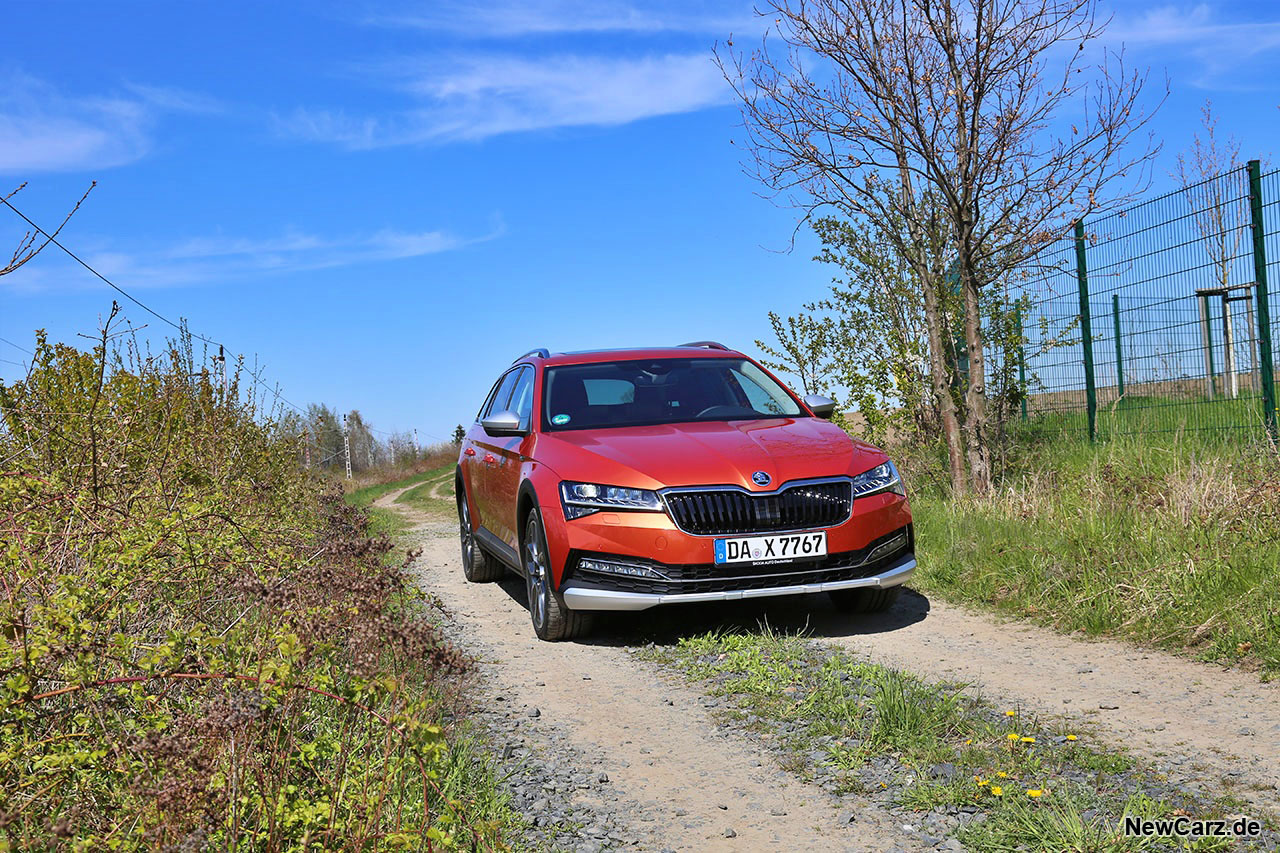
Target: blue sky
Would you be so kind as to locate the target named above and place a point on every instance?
(385, 202)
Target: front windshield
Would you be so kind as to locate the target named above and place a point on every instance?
(661, 391)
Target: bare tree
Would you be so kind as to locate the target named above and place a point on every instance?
(979, 116)
(35, 241)
(1219, 204)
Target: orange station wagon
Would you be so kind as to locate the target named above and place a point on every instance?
(626, 479)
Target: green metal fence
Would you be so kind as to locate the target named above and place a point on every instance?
(1156, 318)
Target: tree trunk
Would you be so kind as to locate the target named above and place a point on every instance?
(976, 440)
(941, 385)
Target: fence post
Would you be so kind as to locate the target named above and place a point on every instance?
(1206, 341)
(1086, 333)
(1115, 314)
(1264, 310)
(1022, 362)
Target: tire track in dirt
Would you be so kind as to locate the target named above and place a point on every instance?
(685, 783)
(1212, 729)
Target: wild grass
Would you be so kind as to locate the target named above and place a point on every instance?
(1039, 783)
(428, 460)
(1152, 415)
(1171, 542)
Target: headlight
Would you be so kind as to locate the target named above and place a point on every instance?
(882, 478)
(585, 498)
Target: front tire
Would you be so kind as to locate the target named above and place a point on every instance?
(865, 600)
(477, 566)
(552, 620)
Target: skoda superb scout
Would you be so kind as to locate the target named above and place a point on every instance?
(625, 479)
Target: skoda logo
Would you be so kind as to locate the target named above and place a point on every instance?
(760, 478)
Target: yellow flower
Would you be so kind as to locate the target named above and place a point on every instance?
(1071, 737)
(1034, 792)
(997, 790)
(1013, 735)
(980, 781)
(1011, 713)
(1028, 740)
(1002, 774)
(968, 742)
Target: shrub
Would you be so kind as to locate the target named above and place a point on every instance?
(201, 644)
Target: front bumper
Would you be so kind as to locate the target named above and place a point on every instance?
(578, 597)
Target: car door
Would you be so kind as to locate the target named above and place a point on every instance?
(484, 461)
(509, 453)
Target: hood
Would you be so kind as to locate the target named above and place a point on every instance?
(709, 453)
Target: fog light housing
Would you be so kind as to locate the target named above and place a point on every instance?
(897, 543)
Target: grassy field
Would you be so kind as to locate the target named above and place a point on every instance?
(1161, 416)
(388, 521)
(1170, 540)
(895, 739)
(436, 495)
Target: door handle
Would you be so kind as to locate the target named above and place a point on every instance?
(488, 457)
(470, 451)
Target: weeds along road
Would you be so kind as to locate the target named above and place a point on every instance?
(1216, 730)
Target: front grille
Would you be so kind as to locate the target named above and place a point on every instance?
(715, 512)
(708, 577)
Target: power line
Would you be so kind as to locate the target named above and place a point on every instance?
(275, 392)
(118, 289)
(15, 346)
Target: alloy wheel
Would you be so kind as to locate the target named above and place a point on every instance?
(537, 574)
(465, 533)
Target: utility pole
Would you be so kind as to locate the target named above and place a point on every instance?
(415, 442)
(346, 446)
(306, 445)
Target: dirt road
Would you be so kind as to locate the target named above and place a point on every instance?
(686, 785)
(1213, 729)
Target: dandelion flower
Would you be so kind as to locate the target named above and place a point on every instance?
(981, 782)
(1034, 792)
(1013, 735)
(997, 790)
(1072, 737)
(1002, 774)
(1011, 713)
(1028, 740)
(969, 742)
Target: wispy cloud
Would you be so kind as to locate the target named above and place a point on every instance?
(1200, 32)
(479, 96)
(44, 130)
(512, 18)
(219, 258)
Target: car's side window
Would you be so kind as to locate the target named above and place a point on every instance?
(522, 397)
(488, 401)
(500, 400)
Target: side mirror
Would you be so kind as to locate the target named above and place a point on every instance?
(823, 407)
(503, 423)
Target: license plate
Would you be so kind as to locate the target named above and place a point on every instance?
(782, 548)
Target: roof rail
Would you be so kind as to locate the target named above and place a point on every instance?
(706, 345)
(540, 352)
